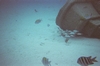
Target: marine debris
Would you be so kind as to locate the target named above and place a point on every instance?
(38, 21)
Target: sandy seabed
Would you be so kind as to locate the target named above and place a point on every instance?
(24, 43)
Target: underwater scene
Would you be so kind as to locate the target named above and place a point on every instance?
(49, 33)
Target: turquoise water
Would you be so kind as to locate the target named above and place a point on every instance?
(25, 43)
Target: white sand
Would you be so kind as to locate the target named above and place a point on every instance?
(24, 43)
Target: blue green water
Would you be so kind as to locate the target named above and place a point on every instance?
(25, 43)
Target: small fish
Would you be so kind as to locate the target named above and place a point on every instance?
(38, 21)
(35, 10)
(85, 61)
(48, 25)
(46, 62)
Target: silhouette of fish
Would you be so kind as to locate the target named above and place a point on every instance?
(46, 62)
(38, 21)
(85, 61)
(35, 10)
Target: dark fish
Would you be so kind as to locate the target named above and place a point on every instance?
(85, 61)
(35, 10)
(48, 25)
(46, 62)
(38, 21)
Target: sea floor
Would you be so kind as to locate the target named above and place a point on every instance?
(24, 42)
